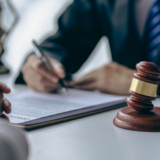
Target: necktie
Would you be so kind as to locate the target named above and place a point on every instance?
(152, 33)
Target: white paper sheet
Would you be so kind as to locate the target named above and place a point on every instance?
(31, 105)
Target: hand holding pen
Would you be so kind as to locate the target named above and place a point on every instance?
(52, 68)
(39, 77)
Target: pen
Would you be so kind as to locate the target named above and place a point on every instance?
(47, 63)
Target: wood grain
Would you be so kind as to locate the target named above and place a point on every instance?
(129, 118)
(147, 72)
(141, 115)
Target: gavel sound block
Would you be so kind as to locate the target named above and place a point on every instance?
(141, 115)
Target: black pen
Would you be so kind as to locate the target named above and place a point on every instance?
(47, 63)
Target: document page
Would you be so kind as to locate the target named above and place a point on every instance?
(30, 105)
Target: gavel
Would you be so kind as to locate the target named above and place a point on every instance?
(141, 115)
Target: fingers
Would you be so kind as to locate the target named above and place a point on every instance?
(58, 68)
(81, 83)
(39, 83)
(39, 77)
(4, 88)
(37, 66)
(4, 103)
(88, 78)
(87, 82)
(87, 86)
(6, 106)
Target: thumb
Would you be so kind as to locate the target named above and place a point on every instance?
(4, 88)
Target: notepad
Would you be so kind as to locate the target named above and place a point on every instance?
(30, 109)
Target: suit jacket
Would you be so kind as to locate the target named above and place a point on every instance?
(83, 24)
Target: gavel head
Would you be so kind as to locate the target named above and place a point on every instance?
(144, 87)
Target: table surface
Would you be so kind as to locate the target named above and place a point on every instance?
(90, 138)
(94, 137)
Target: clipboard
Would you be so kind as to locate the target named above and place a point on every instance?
(70, 115)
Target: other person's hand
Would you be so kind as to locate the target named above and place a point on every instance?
(4, 103)
(111, 78)
(39, 78)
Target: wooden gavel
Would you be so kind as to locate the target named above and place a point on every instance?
(144, 87)
(141, 114)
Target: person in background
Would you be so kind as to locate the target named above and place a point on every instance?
(13, 144)
(133, 31)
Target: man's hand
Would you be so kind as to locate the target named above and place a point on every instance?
(111, 78)
(37, 76)
(4, 103)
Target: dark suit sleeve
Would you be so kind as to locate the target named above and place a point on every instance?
(77, 35)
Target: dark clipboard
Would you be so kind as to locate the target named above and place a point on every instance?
(70, 115)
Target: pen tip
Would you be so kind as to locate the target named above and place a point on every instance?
(65, 91)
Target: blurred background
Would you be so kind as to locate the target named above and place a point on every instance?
(38, 20)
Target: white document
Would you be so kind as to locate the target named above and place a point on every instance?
(31, 105)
